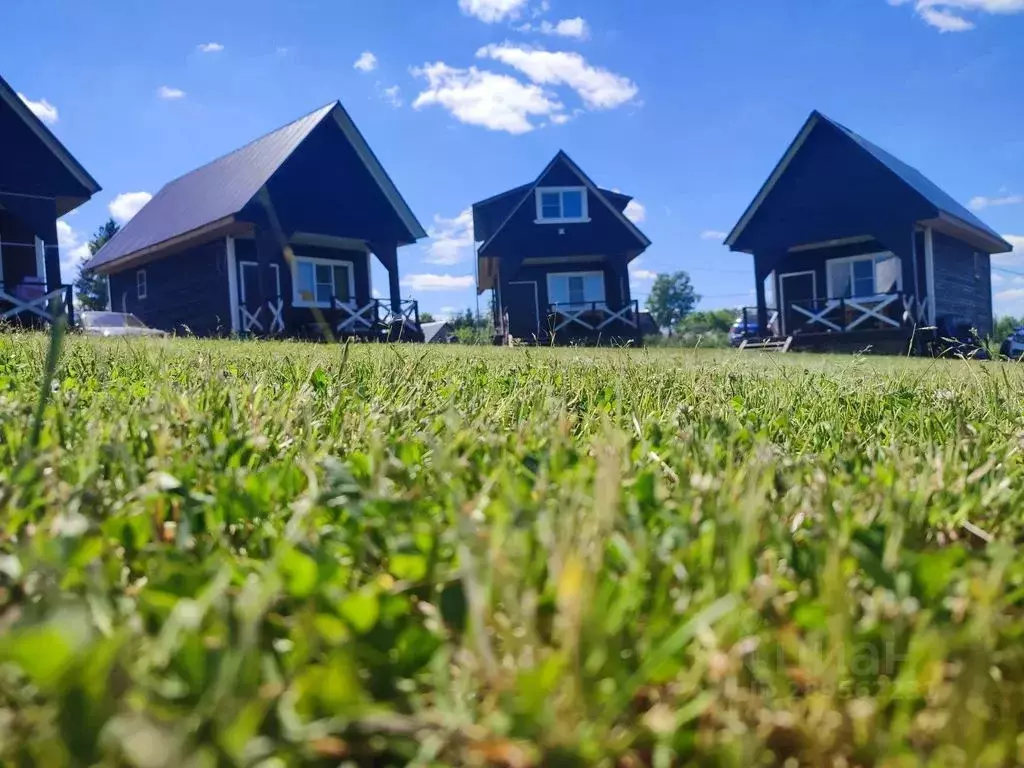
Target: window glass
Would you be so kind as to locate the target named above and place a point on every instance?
(863, 277)
(551, 205)
(839, 281)
(577, 294)
(575, 289)
(572, 204)
(305, 286)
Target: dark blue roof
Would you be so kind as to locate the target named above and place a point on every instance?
(224, 187)
(918, 181)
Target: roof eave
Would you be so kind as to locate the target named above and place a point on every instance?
(149, 252)
(995, 243)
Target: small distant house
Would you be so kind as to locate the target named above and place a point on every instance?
(40, 181)
(556, 253)
(439, 333)
(857, 248)
(274, 238)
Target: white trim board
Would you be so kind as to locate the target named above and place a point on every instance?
(241, 271)
(782, 291)
(539, 193)
(232, 266)
(929, 271)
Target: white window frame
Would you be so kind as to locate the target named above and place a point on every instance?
(241, 274)
(585, 212)
(590, 273)
(141, 284)
(847, 261)
(298, 301)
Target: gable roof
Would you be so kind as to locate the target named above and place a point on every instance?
(600, 194)
(75, 168)
(219, 190)
(910, 176)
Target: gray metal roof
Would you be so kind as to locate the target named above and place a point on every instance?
(210, 193)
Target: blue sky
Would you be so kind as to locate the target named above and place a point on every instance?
(685, 106)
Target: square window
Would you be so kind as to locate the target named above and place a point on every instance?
(551, 205)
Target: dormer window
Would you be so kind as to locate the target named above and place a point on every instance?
(561, 205)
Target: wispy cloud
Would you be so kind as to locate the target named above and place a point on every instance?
(713, 234)
(981, 202)
(635, 212)
(492, 11)
(73, 251)
(392, 95)
(954, 15)
(170, 94)
(210, 47)
(367, 62)
(42, 109)
(451, 240)
(431, 282)
(124, 207)
(575, 28)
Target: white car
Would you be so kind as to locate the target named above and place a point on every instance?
(115, 324)
(1013, 347)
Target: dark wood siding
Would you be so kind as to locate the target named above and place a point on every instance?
(963, 283)
(186, 291)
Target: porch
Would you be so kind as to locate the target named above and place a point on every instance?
(379, 319)
(32, 305)
(31, 292)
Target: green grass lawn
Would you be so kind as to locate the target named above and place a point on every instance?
(257, 553)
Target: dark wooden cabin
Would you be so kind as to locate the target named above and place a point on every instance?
(556, 254)
(275, 238)
(854, 248)
(40, 181)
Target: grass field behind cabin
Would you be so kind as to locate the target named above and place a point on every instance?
(260, 553)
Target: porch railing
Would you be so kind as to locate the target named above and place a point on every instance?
(263, 318)
(886, 311)
(375, 318)
(594, 317)
(33, 304)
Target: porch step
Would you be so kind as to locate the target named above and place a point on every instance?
(768, 345)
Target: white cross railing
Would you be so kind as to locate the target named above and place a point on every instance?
(356, 319)
(594, 316)
(890, 310)
(34, 300)
(252, 318)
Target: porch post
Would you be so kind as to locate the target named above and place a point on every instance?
(760, 275)
(51, 253)
(929, 272)
(387, 253)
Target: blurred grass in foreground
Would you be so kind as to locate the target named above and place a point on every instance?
(255, 553)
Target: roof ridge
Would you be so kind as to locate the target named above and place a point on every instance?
(257, 140)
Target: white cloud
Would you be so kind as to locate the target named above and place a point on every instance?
(429, 282)
(576, 28)
(635, 212)
(1016, 257)
(475, 97)
(367, 62)
(599, 88)
(42, 109)
(284, 50)
(211, 48)
(491, 11)
(713, 234)
(981, 202)
(450, 239)
(124, 207)
(643, 274)
(951, 15)
(73, 252)
(170, 94)
(392, 95)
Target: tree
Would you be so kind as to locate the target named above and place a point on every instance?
(1004, 326)
(426, 317)
(672, 298)
(90, 288)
